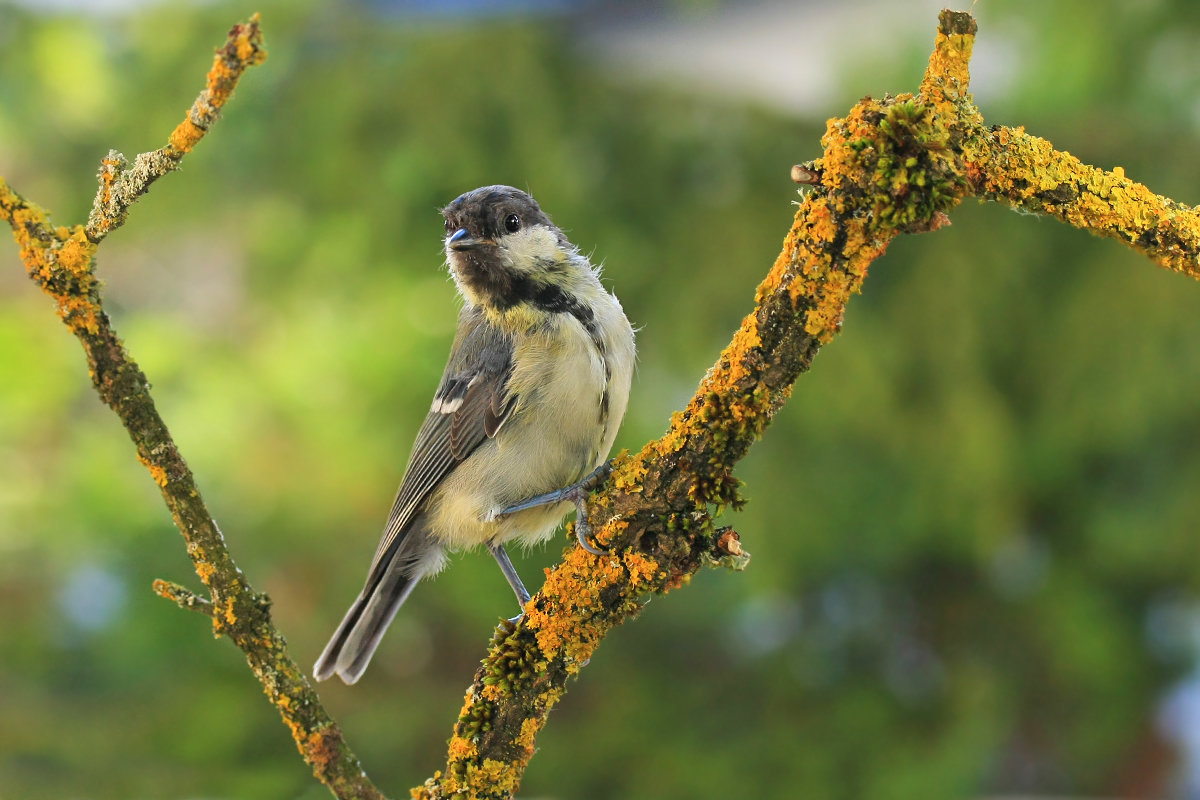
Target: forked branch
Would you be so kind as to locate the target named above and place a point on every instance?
(891, 166)
(62, 261)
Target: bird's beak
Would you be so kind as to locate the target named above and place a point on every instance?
(460, 241)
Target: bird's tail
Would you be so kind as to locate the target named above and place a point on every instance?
(391, 581)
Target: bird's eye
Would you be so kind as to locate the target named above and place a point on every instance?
(512, 223)
(449, 227)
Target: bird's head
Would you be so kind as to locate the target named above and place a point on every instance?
(504, 252)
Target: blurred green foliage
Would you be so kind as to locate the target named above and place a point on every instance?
(974, 525)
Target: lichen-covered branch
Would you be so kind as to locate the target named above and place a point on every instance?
(122, 183)
(891, 166)
(1011, 166)
(657, 511)
(61, 260)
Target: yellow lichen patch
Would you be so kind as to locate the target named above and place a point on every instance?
(492, 778)
(674, 440)
(461, 749)
(948, 74)
(157, 472)
(642, 569)
(76, 252)
(59, 259)
(565, 622)
(739, 351)
(628, 473)
(185, 136)
(675, 581)
(776, 276)
(205, 570)
(468, 702)
(820, 284)
(320, 748)
(243, 49)
(1026, 171)
(229, 614)
(80, 313)
(221, 80)
(527, 736)
(299, 737)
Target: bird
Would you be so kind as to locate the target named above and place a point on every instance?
(523, 418)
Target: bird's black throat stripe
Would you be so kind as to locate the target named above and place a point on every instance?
(555, 300)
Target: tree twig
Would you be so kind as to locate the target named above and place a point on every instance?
(122, 183)
(183, 597)
(62, 261)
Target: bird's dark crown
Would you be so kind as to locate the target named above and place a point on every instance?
(482, 212)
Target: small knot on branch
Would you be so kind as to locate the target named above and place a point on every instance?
(806, 174)
(957, 23)
(729, 551)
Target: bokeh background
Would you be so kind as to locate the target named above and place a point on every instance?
(974, 527)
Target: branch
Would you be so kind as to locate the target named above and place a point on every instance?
(891, 166)
(121, 183)
(62, 261)
(1010, 166)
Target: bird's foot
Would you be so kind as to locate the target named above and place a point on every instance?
(576, 493)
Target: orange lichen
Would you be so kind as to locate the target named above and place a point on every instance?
(461, 749)
(572, 588)
(60, 259)
(1022, 170)
(527, 736)
(489, 778)
(744, 341)
(628, 473)
(244, 49)
(185, 136)
(319, 747)
(641, 568)
(948, 74)
(205, 570)
(891, 166)
(157, 472)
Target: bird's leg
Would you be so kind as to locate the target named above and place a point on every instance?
(510, 575)
(576, 493)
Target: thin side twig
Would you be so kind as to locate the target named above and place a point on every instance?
(183, 597)
(122, 183)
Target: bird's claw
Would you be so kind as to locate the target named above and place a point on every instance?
(576, 493)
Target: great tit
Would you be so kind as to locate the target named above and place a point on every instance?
(529, 404)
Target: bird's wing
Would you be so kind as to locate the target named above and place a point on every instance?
(471, 405)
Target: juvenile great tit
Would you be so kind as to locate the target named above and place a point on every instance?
(529, 404)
